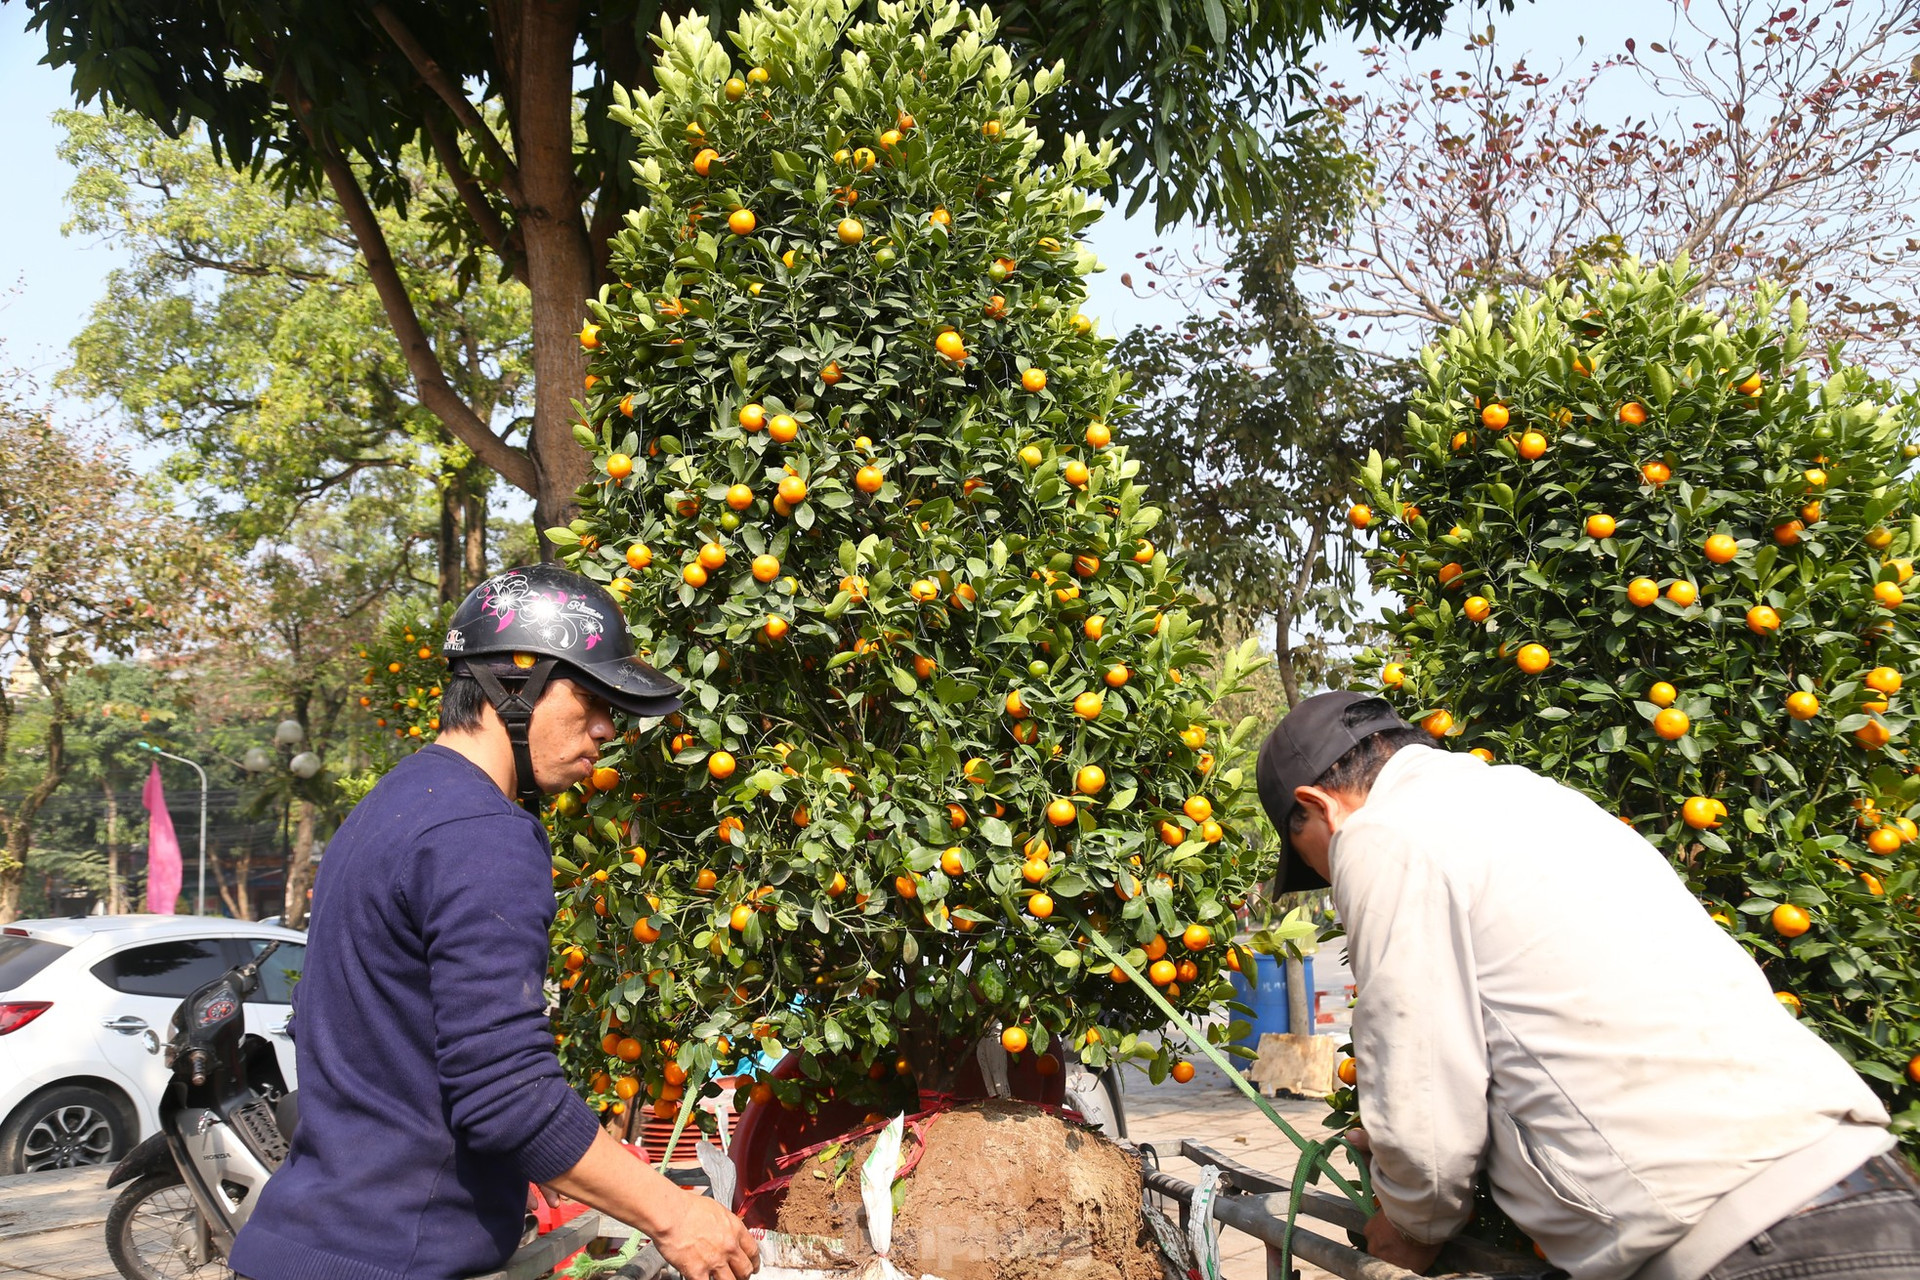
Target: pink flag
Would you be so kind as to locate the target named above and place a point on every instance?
(163, 848)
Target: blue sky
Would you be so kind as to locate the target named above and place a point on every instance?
(48, 281)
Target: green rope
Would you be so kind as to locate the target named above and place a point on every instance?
(1307, 1171)
(1313, 1155)
(585, 1267)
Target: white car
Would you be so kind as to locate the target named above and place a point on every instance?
(84, 1007)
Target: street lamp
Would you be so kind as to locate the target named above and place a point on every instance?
(287, 733)
(304, 765)
(201, 896)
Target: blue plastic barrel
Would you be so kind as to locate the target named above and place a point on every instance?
(1268, 999)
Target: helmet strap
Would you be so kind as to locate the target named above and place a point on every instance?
(515, 710)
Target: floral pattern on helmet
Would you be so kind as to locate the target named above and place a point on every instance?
(557, 618)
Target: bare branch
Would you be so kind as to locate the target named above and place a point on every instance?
(430, 380)
(504, 243)
(253, 270)
(1780, 142)
(436, 78)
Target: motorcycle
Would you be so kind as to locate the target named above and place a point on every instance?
(225, 1119)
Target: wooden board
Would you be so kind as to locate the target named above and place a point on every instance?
(543, 1255)
(1294, 1064)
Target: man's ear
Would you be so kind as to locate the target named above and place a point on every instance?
(1315, 802)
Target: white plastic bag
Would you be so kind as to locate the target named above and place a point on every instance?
(1203, 1233)
(992, 1056)
(876, 1193)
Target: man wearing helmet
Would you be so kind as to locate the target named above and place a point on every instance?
(430, 1091)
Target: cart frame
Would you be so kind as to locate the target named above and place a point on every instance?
(1251, 1202)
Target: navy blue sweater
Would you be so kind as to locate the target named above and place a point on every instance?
(430, 1094)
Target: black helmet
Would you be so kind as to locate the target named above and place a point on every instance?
(538, 621)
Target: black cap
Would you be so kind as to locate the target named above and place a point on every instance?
(545, 611)
(1304, 745)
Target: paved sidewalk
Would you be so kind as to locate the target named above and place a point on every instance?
(53, 1225)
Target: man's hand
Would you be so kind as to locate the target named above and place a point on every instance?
(701, 1239)
(1385, 1242)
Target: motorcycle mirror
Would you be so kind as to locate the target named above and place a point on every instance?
(247, 976)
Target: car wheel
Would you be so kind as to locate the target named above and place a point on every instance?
(153, 1232)
(63, 1128)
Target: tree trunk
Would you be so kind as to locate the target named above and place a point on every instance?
(13, 862)
(447, 544)
(535, 42)
(936, 1063)
(220, 884)
(19, 823)
(476, 528)
(11, 876)
(116, 883)
(243, 883)
(1290, 607)
(535, 39)
(1299, 1000)
(293, 909)
(238, 896)
(1283, 655)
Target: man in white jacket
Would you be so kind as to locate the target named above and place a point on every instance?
(1540, 996)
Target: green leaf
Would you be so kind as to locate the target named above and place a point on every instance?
(993, 986)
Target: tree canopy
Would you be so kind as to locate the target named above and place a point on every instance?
(1663, 553)
(1763, 142)
(90, 562)
(511, 102)
(246, 336)
(947, 743)
(1252, 422)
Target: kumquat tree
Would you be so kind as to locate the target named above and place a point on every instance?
(945, 736)
(1663, 553)
(400, 688)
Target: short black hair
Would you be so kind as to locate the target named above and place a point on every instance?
(462, 705)
(1355, 772)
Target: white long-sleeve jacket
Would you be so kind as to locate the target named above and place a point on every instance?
(1538, 993)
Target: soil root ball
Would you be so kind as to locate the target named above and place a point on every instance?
(1003, 1192)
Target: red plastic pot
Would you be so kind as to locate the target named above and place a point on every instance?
(768, 1132)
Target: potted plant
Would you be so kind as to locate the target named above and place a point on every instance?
(949, 758)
